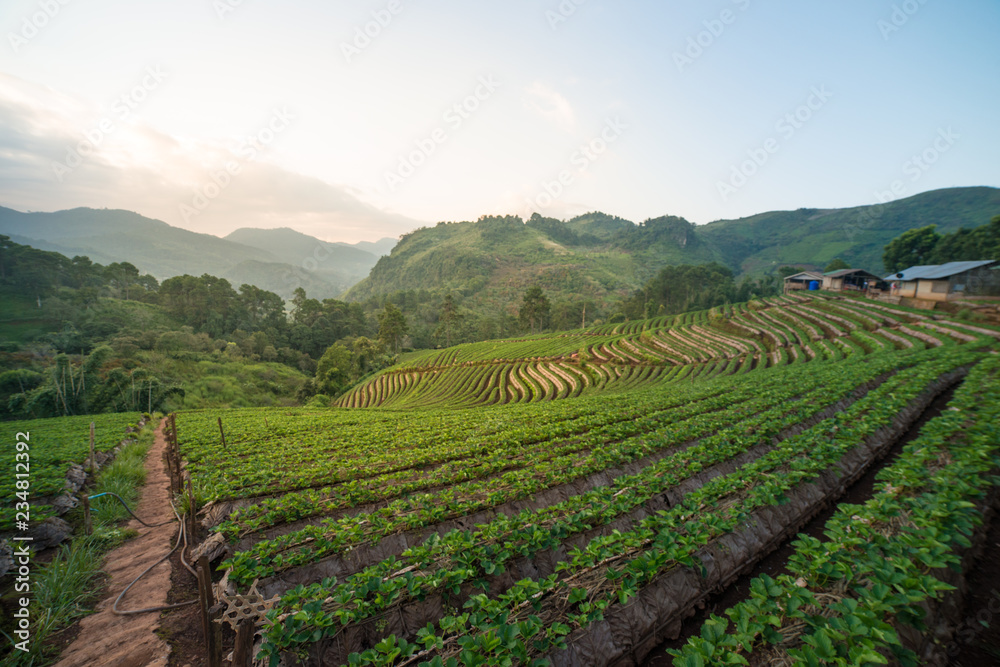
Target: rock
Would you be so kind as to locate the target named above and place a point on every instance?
(6, 557)
(76, 476)
(50, 533)
(64, 503)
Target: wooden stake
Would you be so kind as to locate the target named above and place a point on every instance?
(222, 433)
(93, 462)
(192, 510)
(213, 648)
(87, 526)
(206, 600)
(243, 650)
(215, 635)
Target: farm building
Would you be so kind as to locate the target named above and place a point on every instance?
(802, 280)
(940, 282)
(852, 280)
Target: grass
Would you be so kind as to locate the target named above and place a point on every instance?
(211, 382)
(66, 588)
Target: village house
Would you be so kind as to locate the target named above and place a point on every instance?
(858, 280)
(803, 280)
(941, 282)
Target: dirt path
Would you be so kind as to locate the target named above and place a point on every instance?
(130, 641)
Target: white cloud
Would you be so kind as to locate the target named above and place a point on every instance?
(136, 167)
(550, 105)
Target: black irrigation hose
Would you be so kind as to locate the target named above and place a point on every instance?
(181, 534)
(108, 493)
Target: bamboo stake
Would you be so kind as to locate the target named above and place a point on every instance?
(192, 520)
(87, 526)
(93, 463)
(222, 433)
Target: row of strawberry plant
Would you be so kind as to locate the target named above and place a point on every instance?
(327, 447)
(849, 598)
(536, 616)
(448, 562)
(331, 536)
(617, 437)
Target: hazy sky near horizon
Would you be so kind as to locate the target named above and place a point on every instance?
(356, 120)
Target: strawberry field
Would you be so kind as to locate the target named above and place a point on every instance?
(517, 530)
(54, 445)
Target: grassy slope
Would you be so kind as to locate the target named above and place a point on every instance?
(218, 382)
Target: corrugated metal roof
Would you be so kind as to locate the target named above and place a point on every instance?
(938, 271)
(846, 272)
(811, 275)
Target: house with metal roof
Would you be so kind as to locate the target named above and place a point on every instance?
(940, 282)
(852, 280)
(803, 280)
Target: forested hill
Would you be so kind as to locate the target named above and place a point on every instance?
(591, 257)
(596, 255)
(856, 235)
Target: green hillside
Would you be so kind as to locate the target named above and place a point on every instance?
(597, 255)
(495, 259)
(857, 235)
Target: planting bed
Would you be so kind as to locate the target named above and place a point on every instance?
(586, 522)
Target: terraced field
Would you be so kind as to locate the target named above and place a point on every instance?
(531, 530)
(622, 357)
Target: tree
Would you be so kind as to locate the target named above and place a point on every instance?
(122, 276)
(836, 265)
(449, 318)
(369, 356)
(911, 248)
(680, 289)
(392, 326)
(334, 371)
(993, 250)
(785, 271)
(535, 309)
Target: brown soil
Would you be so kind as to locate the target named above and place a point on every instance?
(976, 642)
(181, 627)
(106, 638)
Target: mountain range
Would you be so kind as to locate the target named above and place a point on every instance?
(594, 255)
(494, 259)
(274, 259)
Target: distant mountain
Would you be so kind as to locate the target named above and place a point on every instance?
(494, 260)
(489, 263)
(276, 260)
(114, 236)
(338, 264)
(379, 248)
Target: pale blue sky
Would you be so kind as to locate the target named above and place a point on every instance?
(673, 133)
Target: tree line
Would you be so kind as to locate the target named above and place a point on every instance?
(925, 245)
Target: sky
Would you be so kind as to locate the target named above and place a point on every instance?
(358, 120)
